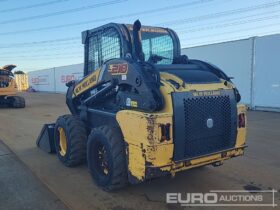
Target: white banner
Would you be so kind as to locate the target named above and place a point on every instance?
(65, 74)
(42, 80)
(55, 79)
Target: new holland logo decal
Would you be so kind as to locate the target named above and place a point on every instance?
(207, 93)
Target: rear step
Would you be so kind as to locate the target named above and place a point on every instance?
(45, 140)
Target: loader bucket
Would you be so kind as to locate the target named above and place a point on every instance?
(45, 140)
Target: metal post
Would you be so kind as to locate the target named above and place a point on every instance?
(54, 79)
(253, 74)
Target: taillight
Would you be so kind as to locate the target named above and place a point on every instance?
(165, 132)
(241, 120)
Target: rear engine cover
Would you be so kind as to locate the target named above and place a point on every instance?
(204, 122)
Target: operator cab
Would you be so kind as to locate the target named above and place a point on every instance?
(117, 41)
(158, 46)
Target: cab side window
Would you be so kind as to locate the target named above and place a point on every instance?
(93, 53)
(111, 45)
(102, 46)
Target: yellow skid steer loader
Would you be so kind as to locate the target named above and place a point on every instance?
(143, 110)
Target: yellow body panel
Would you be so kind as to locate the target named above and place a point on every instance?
(136, 161)
(143, 137)
(146, 150)
(11, 90)
(159, 155)
(184, 165)
(143, 127)
(86, 83)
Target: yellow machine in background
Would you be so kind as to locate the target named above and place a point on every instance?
(8, 88)
(22, 82)
(143, 110)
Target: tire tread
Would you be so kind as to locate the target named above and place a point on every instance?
(78, 138)
(115, 140)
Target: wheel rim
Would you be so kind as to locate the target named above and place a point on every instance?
(102, 160)
(62, 142)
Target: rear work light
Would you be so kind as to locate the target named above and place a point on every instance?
(241, 120)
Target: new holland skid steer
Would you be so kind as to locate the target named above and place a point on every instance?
(8, 88)
(143, 110)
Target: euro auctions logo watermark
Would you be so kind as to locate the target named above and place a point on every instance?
(264, 198)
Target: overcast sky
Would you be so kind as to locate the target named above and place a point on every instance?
(37, 34)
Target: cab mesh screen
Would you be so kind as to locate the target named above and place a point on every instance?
(158, 44)
(103, 45)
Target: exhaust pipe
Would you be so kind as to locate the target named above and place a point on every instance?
(137, 42)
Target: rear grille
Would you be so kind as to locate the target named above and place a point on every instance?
(198, 137)
(203, 124)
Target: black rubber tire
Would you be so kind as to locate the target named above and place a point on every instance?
(112, 140)
(18, 102)
(76, 139)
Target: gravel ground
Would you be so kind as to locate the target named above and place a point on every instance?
(20, 189)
